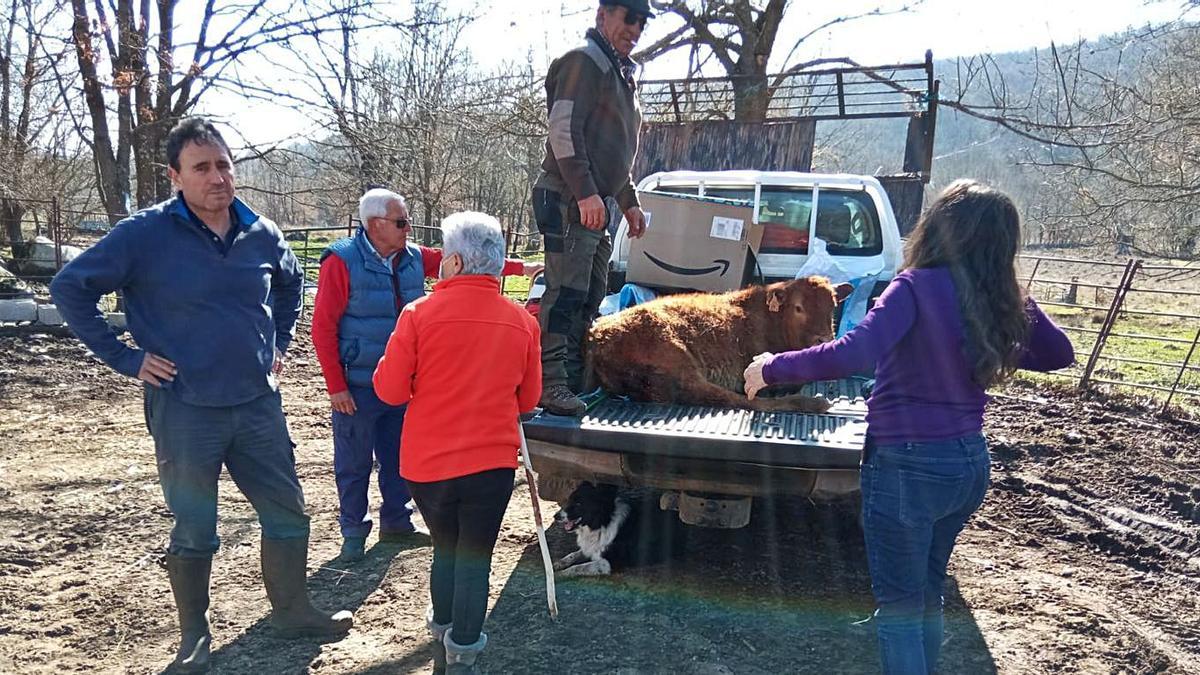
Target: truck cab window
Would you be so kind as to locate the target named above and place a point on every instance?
(846, 219)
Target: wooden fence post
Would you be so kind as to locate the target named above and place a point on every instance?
(1114, 310)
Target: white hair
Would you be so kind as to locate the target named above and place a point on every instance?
(476, 237)
(374, 204)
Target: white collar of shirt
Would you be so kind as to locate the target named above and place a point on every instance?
(388, 260)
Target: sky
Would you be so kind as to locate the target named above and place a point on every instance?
(509, 30)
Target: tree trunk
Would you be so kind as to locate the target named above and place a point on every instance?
(150, 159)
(751, 98)
(112, 178)
(426, 237)
(11, 213)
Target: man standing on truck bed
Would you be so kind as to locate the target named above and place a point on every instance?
(591, 98)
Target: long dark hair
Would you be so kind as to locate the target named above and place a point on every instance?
(974, 231)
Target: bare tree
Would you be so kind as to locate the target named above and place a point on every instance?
(139, 66)
(1117, 136)
(37, 151)
(423, 119)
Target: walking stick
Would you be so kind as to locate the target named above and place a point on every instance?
(551, 596)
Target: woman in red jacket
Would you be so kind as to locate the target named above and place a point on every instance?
(468, 362)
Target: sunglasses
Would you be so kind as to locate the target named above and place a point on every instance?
(401, 223)
(634, 18)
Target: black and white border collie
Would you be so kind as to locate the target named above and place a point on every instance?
(615, 533)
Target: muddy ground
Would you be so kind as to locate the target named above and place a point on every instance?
(1085, 557)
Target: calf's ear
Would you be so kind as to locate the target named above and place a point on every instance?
(843, 291)
(775, 297)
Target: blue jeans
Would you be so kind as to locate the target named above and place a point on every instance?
(251, 440)
(916, 499)
(371, 433)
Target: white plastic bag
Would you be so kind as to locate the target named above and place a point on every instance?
(821, 263)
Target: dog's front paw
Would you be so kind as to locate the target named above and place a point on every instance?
(560, 565)
(588, 569)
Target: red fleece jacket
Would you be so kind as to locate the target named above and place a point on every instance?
(333, 294)
(467, 361)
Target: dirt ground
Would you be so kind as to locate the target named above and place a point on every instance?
(1085, 557)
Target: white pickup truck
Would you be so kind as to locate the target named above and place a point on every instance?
(712, 462)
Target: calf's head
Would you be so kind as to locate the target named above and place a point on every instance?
(800, 312)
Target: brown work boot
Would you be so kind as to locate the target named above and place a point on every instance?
(285, 574)
(558, 399)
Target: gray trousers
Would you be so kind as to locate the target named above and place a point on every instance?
(192, 443)
(576, 282)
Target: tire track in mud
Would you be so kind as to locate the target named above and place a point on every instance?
(1143, 524)
(1138, 538)
(1150, 630)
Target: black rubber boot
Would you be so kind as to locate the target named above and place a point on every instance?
(285, 573)
(189, 584)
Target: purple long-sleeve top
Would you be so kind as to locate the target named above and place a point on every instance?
(914, 339)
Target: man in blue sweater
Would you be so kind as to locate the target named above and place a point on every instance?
(212, 292)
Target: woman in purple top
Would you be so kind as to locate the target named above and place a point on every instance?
(950, 325)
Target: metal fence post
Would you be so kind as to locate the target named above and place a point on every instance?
(1182, 369)
(56, 227)
(1110, 319)
(1037, 262)
(304, 273)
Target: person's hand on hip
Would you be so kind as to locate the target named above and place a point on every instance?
(155, 370)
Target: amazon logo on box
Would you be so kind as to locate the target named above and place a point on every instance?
(694, 243)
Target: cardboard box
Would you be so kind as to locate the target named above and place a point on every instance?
(694, 243)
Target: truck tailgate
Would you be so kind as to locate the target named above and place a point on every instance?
(833, 440)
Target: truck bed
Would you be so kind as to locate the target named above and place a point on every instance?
(833, 440)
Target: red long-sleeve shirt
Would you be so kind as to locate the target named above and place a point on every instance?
(467, 361)
(333, 294)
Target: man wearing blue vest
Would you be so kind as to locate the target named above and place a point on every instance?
(365, 281)
(212, 292)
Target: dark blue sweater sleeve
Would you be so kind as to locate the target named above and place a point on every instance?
(884, 326)
(77, 288)
(1048, 347)
(287, 286)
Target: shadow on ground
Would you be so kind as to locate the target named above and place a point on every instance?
(787, 594)
(334, 586)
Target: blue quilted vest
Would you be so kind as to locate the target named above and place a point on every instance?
(372, 310)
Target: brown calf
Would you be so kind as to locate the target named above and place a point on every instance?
(692, 349)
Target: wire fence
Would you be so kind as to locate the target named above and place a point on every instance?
(42, 236)
(308, 244)
(49, 236)
(859, 92)
(1136, 325)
